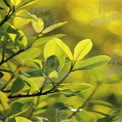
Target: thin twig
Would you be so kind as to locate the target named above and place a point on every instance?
(85, 103)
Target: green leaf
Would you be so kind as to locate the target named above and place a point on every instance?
(58, 48)
(20, 106)
(22, 18)
(75, 86)
(17, 36)
(22, 119)
(53, 74)
(15, 2)
(37, 24)
(28, 3)
(52, 27)
(42, 40)
(60, 106)
(15, 87)
(81, 49)
(52, 63)
(32, 73)
(28, 55)
(33, 86)
(92, 63)
(4, 100)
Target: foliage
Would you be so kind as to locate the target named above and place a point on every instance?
(27, 73)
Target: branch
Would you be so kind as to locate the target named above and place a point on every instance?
(52, 90)
(9, 58)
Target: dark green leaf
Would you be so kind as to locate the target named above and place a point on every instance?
(52, 63)
(17, 86)
(61, 106)
(33, 86)
(20, 106)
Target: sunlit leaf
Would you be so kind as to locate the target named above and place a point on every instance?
(4, 100)
(15, 2)
(81, 49)
(42, 40)
(29, 54)
(75, 86)
(53, 74)
(92, 63)
(22, 18)
(52, 27)
(28, 3)
(15, 87)
(37, 24)
(58, 48)
(22, 119)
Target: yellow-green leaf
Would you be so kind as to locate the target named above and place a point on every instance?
(81, 49)
(37, 24)
(22, 119)
(75, 86)
(15, 2)
(52, 27)
(53, 74)
(4, 100)
(92, 63)
(55, 43)
(22, 18)
(33, 86)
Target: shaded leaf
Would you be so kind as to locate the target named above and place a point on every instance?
(92, 63)
(60, 106)
(51, 63)
(17, 86)
(20, 106)
(81, 49)
(33, 86)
